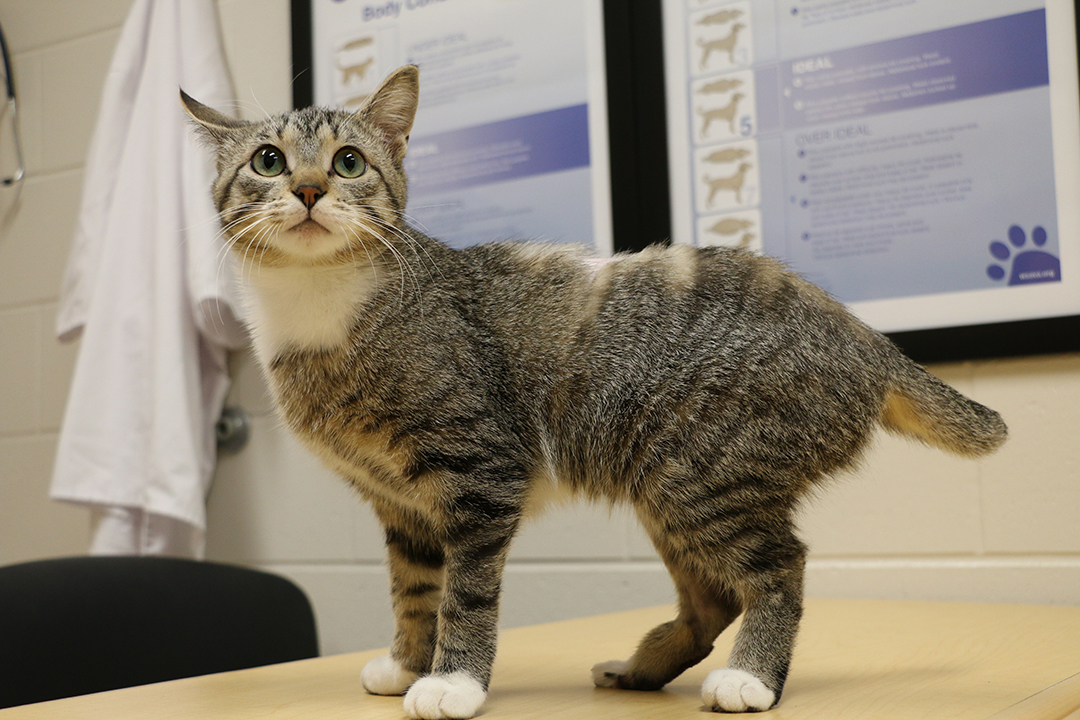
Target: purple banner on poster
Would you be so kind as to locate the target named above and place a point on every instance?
(500, 151)
(983, 58)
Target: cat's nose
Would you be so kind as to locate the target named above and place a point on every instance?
(309, 195)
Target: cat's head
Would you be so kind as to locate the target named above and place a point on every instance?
(313, 186)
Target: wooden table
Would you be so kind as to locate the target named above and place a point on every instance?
(855, 659)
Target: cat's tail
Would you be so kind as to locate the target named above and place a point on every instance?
(920, 406)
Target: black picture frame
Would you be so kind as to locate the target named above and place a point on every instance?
(641, 212)
(302, 30)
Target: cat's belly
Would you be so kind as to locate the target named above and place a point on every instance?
(545, 492)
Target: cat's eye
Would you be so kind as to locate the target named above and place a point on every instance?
(349, 163)
(268, 161)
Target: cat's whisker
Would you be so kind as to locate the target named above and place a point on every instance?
(263, 227)
(257, 211)
(403, 236)
(239, 105)
(270, 230)
(251, 234)
(371, 217)
(351, 246)
(259, 104)
(402, 265)
(222, 263)
(223, 243)
(250, 220)
(416, 222)
(352, 250)
(246, 263)
(406, 238)
(383, 225)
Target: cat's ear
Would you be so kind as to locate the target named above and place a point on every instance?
(392, 108)
(214, 126)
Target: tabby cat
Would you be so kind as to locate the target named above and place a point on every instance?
(458, 391)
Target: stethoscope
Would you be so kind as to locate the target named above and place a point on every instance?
(11, 111)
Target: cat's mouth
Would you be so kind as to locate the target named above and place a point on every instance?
(308, 226)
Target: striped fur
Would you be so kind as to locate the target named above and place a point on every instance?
(711, 390)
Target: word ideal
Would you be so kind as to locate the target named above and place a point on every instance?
(812, 65)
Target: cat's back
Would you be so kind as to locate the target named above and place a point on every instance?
(717, 305)
(680, 349)
(660, 313)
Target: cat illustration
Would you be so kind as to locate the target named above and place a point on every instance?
(730, 226)
(733, 183)
(721, 86)
(725, 44)
(720, 18)
(727, 155)
(726, 112)
(710, 390)
(357, 44)
(354, 102)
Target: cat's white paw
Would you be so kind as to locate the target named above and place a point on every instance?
(606, 674)
(385, 676)
(728, 690)
(445, 696)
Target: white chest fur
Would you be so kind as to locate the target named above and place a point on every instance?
(304, 307)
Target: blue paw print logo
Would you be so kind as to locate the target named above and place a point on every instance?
(1023, 266)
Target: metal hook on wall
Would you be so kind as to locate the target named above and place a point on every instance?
(233, 429)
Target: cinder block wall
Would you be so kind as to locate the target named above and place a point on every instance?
(60, 52)
(912, 523)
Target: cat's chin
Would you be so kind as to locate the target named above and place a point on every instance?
(309, 241)
(309, 227)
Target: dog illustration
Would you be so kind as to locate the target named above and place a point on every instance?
(733, 183)
(724, 44)
(357, 72)
(723, 113)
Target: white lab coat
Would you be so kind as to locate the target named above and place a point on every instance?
(148, 286)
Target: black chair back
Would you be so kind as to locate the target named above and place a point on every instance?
(73, 626)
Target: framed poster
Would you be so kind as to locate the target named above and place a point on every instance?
(511, 139)
(918, 159)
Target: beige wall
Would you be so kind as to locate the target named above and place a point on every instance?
(61, 50)
(913, 523)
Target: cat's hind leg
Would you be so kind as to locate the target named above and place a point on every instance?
(705, 609)
(723, 559)
(772, 592)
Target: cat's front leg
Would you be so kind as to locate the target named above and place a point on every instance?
(476, 551)
(416, 562)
